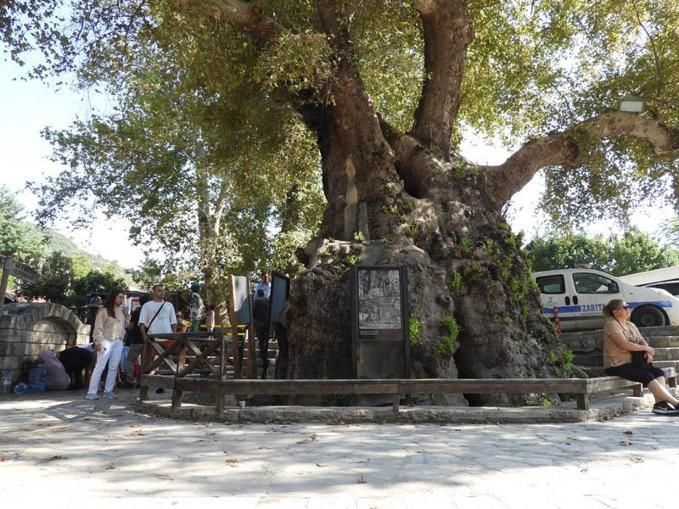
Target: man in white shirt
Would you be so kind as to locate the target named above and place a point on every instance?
(157, 316)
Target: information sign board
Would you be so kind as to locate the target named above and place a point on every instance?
(379, 310)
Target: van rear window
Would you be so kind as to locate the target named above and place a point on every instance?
(551, 284)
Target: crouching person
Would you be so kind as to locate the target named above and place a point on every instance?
(621, 339)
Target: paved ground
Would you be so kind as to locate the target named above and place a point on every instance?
(64, 449)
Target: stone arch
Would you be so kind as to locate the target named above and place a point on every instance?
(27, 314)
(27, 328)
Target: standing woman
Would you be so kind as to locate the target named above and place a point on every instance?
(109, 330)
(621, 338)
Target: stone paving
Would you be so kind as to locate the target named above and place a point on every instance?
(59, 447)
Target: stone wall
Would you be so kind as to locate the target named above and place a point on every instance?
(588, 346)
(26, 329)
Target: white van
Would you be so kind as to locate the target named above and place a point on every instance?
(580, 295)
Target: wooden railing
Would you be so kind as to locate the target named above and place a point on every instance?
(582, 388)
(178, 355)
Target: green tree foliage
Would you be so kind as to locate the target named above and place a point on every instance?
(95, 282)
(630, 253)
(54, 283)
(59, 282)
(188, 155)
(152, 272)
(532, 68)
(670, 231)
(17, 239)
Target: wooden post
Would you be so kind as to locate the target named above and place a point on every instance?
(234, 327)
(396, 402)
(583, 401)
(222, 373)
(7, 269)
(177, 394)
(145, 361)
(252, 364)
(637, 390)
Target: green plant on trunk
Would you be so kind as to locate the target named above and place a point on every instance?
(413, 230)
(561, 358)
(466, 244)
(414, 330)
(448, 343)
(456, 285)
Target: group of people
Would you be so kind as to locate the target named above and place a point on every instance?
(114, 327)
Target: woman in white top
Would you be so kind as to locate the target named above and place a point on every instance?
(109, 331)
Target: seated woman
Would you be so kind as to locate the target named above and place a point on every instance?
(621, 338)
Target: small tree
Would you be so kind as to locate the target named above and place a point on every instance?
(54, 283)
(16, 238)
(633, 252)
(95, 282)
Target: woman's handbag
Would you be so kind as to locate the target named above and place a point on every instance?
(639, 360)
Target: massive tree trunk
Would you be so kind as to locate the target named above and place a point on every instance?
(462, 261)
(415, 205)
(405, 199)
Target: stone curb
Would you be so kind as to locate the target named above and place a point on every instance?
(602, 409)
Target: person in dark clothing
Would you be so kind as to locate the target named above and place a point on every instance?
(133, 339)
(280, 328)
(260, 315)
(75, 360)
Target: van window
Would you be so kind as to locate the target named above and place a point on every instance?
(586, 282)
(551, 284)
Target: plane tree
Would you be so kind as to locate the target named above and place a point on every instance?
(389, 89)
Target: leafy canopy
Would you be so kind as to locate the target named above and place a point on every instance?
(188, 153)
(17, 239)
(533, 67)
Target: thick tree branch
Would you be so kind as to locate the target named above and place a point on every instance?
(244, 15)
(351, 118)
(447, 33)
(414, 163)
(562, 149)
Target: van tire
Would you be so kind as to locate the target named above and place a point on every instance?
(649, 316)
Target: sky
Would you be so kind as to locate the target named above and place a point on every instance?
(26, 107)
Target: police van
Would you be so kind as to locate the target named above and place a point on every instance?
(579, 295)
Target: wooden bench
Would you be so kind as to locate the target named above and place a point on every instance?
(581, 388)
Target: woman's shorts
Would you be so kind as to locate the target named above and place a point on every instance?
(631, 372)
